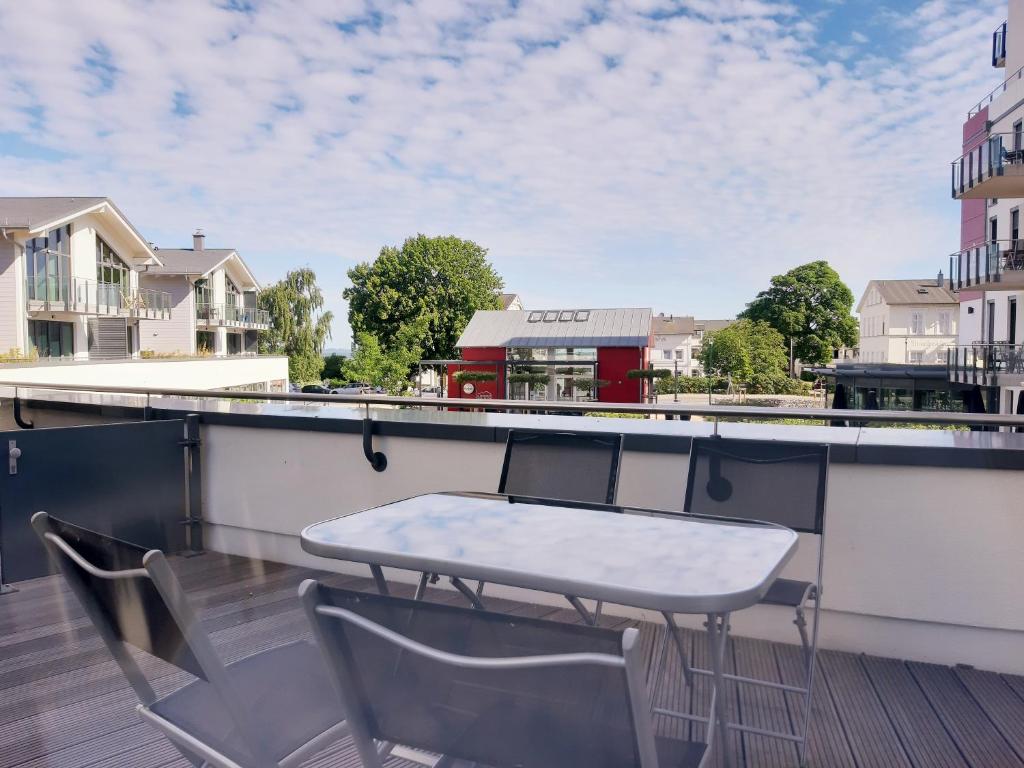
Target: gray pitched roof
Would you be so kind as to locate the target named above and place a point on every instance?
(33, 212)
(673, 324)
(913, 292)
(558, 328)
(186, 261)
(714, 325)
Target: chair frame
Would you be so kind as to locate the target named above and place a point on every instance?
(813, 592)
(373, 753)
(156, 569)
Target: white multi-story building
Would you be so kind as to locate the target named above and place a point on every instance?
(85, 298)
(213, 297)
(911, 322)
(988, 270)
(676, 342)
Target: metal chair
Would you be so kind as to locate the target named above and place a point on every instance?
(769, 481)
(572, 467)
(273, 709)
(488, 688)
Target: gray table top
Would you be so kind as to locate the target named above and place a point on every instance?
(679, 564)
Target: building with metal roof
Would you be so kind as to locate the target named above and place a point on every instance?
(554, 354)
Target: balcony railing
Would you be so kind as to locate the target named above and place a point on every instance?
(999, 46)
(982, 363)
(986, 263)
(995, 93)
(222, 314)
(51, 293)
(980, 172)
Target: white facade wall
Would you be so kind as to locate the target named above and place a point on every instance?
(889, 334)
(674, 351)
(12, 302)
(179, 333)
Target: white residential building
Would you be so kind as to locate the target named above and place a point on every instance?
(85, 298)
(676, 342)
(911, 322)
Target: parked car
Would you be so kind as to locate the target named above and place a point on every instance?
(356, 388)
(315, 389)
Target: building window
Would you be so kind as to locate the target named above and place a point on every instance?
(48, 265)
(111, 274)
(680, 354)
(946, 323)
(917, 323)
(205, 341)
(916, 358)
(50, 339)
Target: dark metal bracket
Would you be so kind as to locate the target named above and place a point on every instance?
(18, 419)
(377, 460)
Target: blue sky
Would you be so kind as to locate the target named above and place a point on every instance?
(665, 153)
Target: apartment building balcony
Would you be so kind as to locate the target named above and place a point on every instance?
(997, 261)
(986, 364)
(212, 315)
(921, 619)
(89, 297)
(993, 169)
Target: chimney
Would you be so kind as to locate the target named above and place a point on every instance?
(198, 240)
(939, 280)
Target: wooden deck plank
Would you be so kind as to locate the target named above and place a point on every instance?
(1000, 703)
(920, 731)
(64, 704)
(977, 737)
(869, 732)
(763, 707)
(827, 744)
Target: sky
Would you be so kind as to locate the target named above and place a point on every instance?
(672, 154)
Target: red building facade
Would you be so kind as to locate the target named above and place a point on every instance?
(563, 351)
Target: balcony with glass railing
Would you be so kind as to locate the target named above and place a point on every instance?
(63, 293)
(993, 169)
(997, 261)
(985, 363)
(211, 314)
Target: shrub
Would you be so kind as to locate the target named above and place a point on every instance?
(522, 377)
(15, 355)
(464, 376)
(648, 373)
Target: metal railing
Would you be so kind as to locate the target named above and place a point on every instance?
(985, 263)
(982, 362)
(674, 410)
(990, 158)
(224, 314)
(49, 293)
(997, 91)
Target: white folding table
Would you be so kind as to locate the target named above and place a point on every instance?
(670, 563)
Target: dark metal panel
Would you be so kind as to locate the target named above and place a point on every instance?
(125, 480)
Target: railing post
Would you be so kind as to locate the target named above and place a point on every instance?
(193, 486)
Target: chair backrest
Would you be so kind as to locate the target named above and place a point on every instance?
(133, 598)
(770, 480)
(495, 689)
(568, 466)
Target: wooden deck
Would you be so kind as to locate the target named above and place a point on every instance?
(64, 704)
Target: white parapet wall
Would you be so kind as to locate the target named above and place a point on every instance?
(187, 373)
(921, 562)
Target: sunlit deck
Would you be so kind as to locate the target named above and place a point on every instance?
(65, 704)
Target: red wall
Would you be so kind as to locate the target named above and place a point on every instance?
(612, 364)
(973, 222)
(495, 388)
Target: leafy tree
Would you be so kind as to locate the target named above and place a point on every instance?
(750, 352)
(386, 366)
(442, 279)
(334, 367)
(810, 305)
(299, 326)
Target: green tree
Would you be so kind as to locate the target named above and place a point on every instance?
(442, 279)
(810, 305)
(750, 352)
(386, 366)
(299, 326)
(334, 367)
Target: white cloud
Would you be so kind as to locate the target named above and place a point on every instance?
(662, 153)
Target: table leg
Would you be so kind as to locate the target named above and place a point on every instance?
(718, 634)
